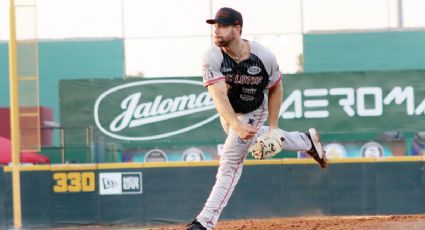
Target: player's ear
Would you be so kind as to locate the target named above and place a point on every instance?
(239, 27)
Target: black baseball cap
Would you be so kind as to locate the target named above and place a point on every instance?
(227, 16)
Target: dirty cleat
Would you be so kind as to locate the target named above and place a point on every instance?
(316, 151)
(195, 225)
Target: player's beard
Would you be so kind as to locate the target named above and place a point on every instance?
(221, 41)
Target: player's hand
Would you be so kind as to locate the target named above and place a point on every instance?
(246, 131)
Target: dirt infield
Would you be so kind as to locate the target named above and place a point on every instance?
(321, 223)
(393, 222)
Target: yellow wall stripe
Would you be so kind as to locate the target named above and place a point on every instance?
(73, 167)
(286, 161)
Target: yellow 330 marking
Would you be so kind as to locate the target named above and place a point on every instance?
(74, 182)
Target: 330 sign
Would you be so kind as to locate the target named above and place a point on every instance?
(74, 182)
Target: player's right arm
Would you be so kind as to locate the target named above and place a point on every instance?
(218, 92)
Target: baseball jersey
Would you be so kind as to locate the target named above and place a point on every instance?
(246, 80)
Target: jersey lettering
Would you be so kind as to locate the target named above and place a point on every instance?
(247, 81)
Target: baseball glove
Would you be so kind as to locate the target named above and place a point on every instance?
(267, 145)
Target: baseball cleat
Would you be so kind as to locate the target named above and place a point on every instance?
(316, 151)
(195, 225)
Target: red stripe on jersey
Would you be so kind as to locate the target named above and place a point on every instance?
(210, 82)
(278, 80)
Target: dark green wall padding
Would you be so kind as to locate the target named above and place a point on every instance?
(4, 215)
(176, 195)
(364, 51)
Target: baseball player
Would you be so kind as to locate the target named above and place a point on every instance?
(244, 82)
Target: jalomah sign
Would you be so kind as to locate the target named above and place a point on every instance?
(138, 110)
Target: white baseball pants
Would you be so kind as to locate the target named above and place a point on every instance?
(231, 162)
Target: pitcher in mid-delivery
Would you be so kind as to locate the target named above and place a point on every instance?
(244, 82)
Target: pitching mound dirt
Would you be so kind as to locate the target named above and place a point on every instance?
(411, 222)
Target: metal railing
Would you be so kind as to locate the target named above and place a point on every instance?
(61, 144)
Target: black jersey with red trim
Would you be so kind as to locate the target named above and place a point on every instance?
(247, 80)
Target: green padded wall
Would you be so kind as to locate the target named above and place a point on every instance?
(364, 51)
(176, 194)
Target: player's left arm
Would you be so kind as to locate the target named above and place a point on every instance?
(275, 92)
(274, 103)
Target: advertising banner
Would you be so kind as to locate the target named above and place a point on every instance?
(355, 102)
(120, 183)
(177, 114)
(177, 110)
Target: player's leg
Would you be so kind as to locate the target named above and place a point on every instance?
(293, 141)
(229, 172)
(298, 141)
(231, 163)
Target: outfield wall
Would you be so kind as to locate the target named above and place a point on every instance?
(4, 220)
(159, 193)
